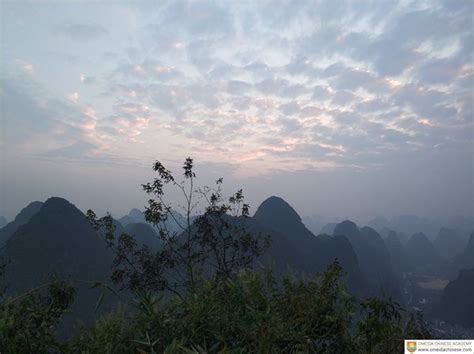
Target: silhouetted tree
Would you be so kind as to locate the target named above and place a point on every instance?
(214, 244)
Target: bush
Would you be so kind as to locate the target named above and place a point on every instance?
(28, 321)
(253, 313)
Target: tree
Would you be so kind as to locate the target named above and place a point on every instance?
(214, 244)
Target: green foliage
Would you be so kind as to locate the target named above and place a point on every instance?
(254, 313)
(380, 327)
(111, 334)
(28, 321)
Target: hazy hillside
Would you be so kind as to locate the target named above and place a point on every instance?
(294, 246)
(22, 218)
(425, 258)
(58, 239)
(450, 242)
(328, 229)
(457, 305)
(374, 259)
(55, 237)
(134, 216)
(3, 221)
(399, 258)
(144, 235)
(465, 259)
(174, 224)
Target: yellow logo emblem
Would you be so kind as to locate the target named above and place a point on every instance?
(411, 347)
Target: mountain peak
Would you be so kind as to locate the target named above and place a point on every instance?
(27, 212)
(370, 232)
(57, 224)
(137, 215)
(58, 205)
(278, 210)
(22, 218)
(419, 237)
(347, 228)
(57, 201)
(135, 212)
(276, 213)
(277, 204)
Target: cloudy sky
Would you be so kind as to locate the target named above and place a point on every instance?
(344, 108)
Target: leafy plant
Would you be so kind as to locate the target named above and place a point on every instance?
(28, 321)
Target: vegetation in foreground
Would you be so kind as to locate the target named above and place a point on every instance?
(200, 293)
(246, 314)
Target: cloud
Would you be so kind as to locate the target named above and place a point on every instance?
(78, 150)
(344, 84)
(22, 115)
(33, 123)
(81, 31)
(25, 66)
(73, 97)
(87, 79)
(198, 19)
(148, 68)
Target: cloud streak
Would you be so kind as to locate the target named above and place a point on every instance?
(239, 81)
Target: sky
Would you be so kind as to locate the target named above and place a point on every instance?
(343, 108)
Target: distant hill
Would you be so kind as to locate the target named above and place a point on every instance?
(3, 221)
(118, 230)
(374, 259)
(407, 224)
(22, 218)
(59, 239)
(465, 259)
(143, 232)
(144, 235)
(295, 247)
(457, 305)
(379, 223)
(399, 258)
(314, 223)
(462, 223)
(449, 242)
(424, 257)
(410, 224)
(137, 216)
(328, 229)
(125, 220)
(385, 231)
